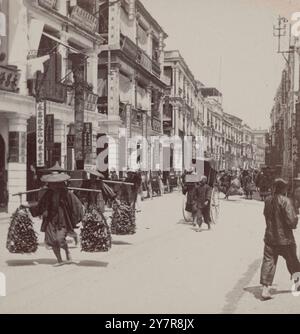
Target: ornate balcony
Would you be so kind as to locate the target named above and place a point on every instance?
(134, 52)
(83, 19)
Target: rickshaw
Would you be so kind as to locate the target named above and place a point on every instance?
(205, 167)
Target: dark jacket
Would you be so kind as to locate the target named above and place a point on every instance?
(61, 206)
(188, 190)
(281, 219)
(201, 194)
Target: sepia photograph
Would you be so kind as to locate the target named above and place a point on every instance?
(149, 159)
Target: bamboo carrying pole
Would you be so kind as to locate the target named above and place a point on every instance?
(70, 188)
(106, 181)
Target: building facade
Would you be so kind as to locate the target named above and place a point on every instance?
(283, 151)
(260, 143)
(183, 111)
(48, 44)
(89, 83)
(131, 86)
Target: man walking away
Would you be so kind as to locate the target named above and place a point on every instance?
(281, 219)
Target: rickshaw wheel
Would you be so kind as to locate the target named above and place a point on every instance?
(215, 205)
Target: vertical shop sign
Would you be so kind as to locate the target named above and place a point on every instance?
(40, 134)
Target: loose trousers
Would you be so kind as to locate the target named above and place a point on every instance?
(271, 253)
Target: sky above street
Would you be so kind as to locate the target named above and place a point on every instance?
(229, 44)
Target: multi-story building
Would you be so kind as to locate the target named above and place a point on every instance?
(213, 125)
(232, 134)
(184, 103)
(284, 149)
(76, 78)
(50, 45)
(247, 147)
(259, 138)
(131, 86)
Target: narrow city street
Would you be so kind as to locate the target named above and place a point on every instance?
(166, 267)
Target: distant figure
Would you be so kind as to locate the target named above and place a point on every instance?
(201, 203)
(263, 184)
(248, 185)
(279, 240)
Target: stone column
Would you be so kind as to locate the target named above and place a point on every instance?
(92, 70)
(17, 169)
(177, 81)
(134, 90)
(150, 42)
(64, 54)
(113, 94)
(175, 119)
(161, 53)
(174, 78)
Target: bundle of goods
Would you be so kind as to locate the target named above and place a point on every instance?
(123, 219)
(21, 237)
(95, 234)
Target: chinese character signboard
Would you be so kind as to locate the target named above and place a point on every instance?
(9, 79)
(49, 130)
(22, 148)
(40, 134)
(87, 137)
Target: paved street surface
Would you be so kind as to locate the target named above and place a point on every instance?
(166, 267)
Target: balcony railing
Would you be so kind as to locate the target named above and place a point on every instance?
(144, 60)
(83, 19)
(139, 55)
(47, 3)
(9, 78)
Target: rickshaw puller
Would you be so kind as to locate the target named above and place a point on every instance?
(201, 203)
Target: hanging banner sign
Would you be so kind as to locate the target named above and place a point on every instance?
(88, 137)
(49, 130)
(40, 134)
